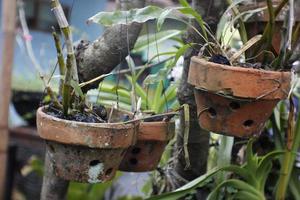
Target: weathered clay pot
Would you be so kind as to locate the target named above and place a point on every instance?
(146, 153)
(235, 101)
(85, 152)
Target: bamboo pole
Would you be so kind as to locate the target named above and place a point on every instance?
(7, 54)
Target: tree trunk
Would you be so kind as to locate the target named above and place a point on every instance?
(198, 142)
(53, 188)
(105, 53)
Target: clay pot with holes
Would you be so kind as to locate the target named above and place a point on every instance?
(235, 101)
(85, 152)
(146, 153)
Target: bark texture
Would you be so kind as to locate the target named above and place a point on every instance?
(198, 142)
(53, 188)
(104, 54)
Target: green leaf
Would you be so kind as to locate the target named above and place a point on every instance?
(187, 188)
(122, 105)
(139, 15)
(168, 96)
(146, 41)
(188, 10)
(157, 77)
(114, 97)
(184, 3)
(276, 113)
(175, 105)
(224, 17)
(237, 184)
(240, 171)
(139, 90)
(180, 52)
(157, 95)
(77, 89)
(251, 159)
(265, 160)
(161, 19)
(34, 164)
(242, 195)
(110, 88)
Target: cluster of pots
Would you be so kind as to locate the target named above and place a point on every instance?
(231, 100)
(93, 152)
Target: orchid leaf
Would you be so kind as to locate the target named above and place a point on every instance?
(139, 15)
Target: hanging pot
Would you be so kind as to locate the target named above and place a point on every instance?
(235, 101)
(146, 153)
(84, 152)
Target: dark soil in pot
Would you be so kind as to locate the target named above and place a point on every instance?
(97, 115)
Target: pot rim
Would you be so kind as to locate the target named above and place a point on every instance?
(100, 125)
(93, 135)
(238, 81)
(237, 68)
(156, 131)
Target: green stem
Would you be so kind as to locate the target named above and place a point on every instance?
(265, 37)
(60, 58)
(242, 28)
(71, 68)
(270, 29)
(53, 98)
(66, 93)
(289, 156)
(280, 6)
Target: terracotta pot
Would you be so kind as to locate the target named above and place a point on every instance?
(235, 101)
(85, 152)
(146, 153)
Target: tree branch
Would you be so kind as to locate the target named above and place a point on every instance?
(198, 142)
(105, 53)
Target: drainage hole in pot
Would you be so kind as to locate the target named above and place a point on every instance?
(94, 162)
(136, 150)
(108, 171)
(248, 123)
(234, 105)
(52, 149)
(133, 161)
(212, 112)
